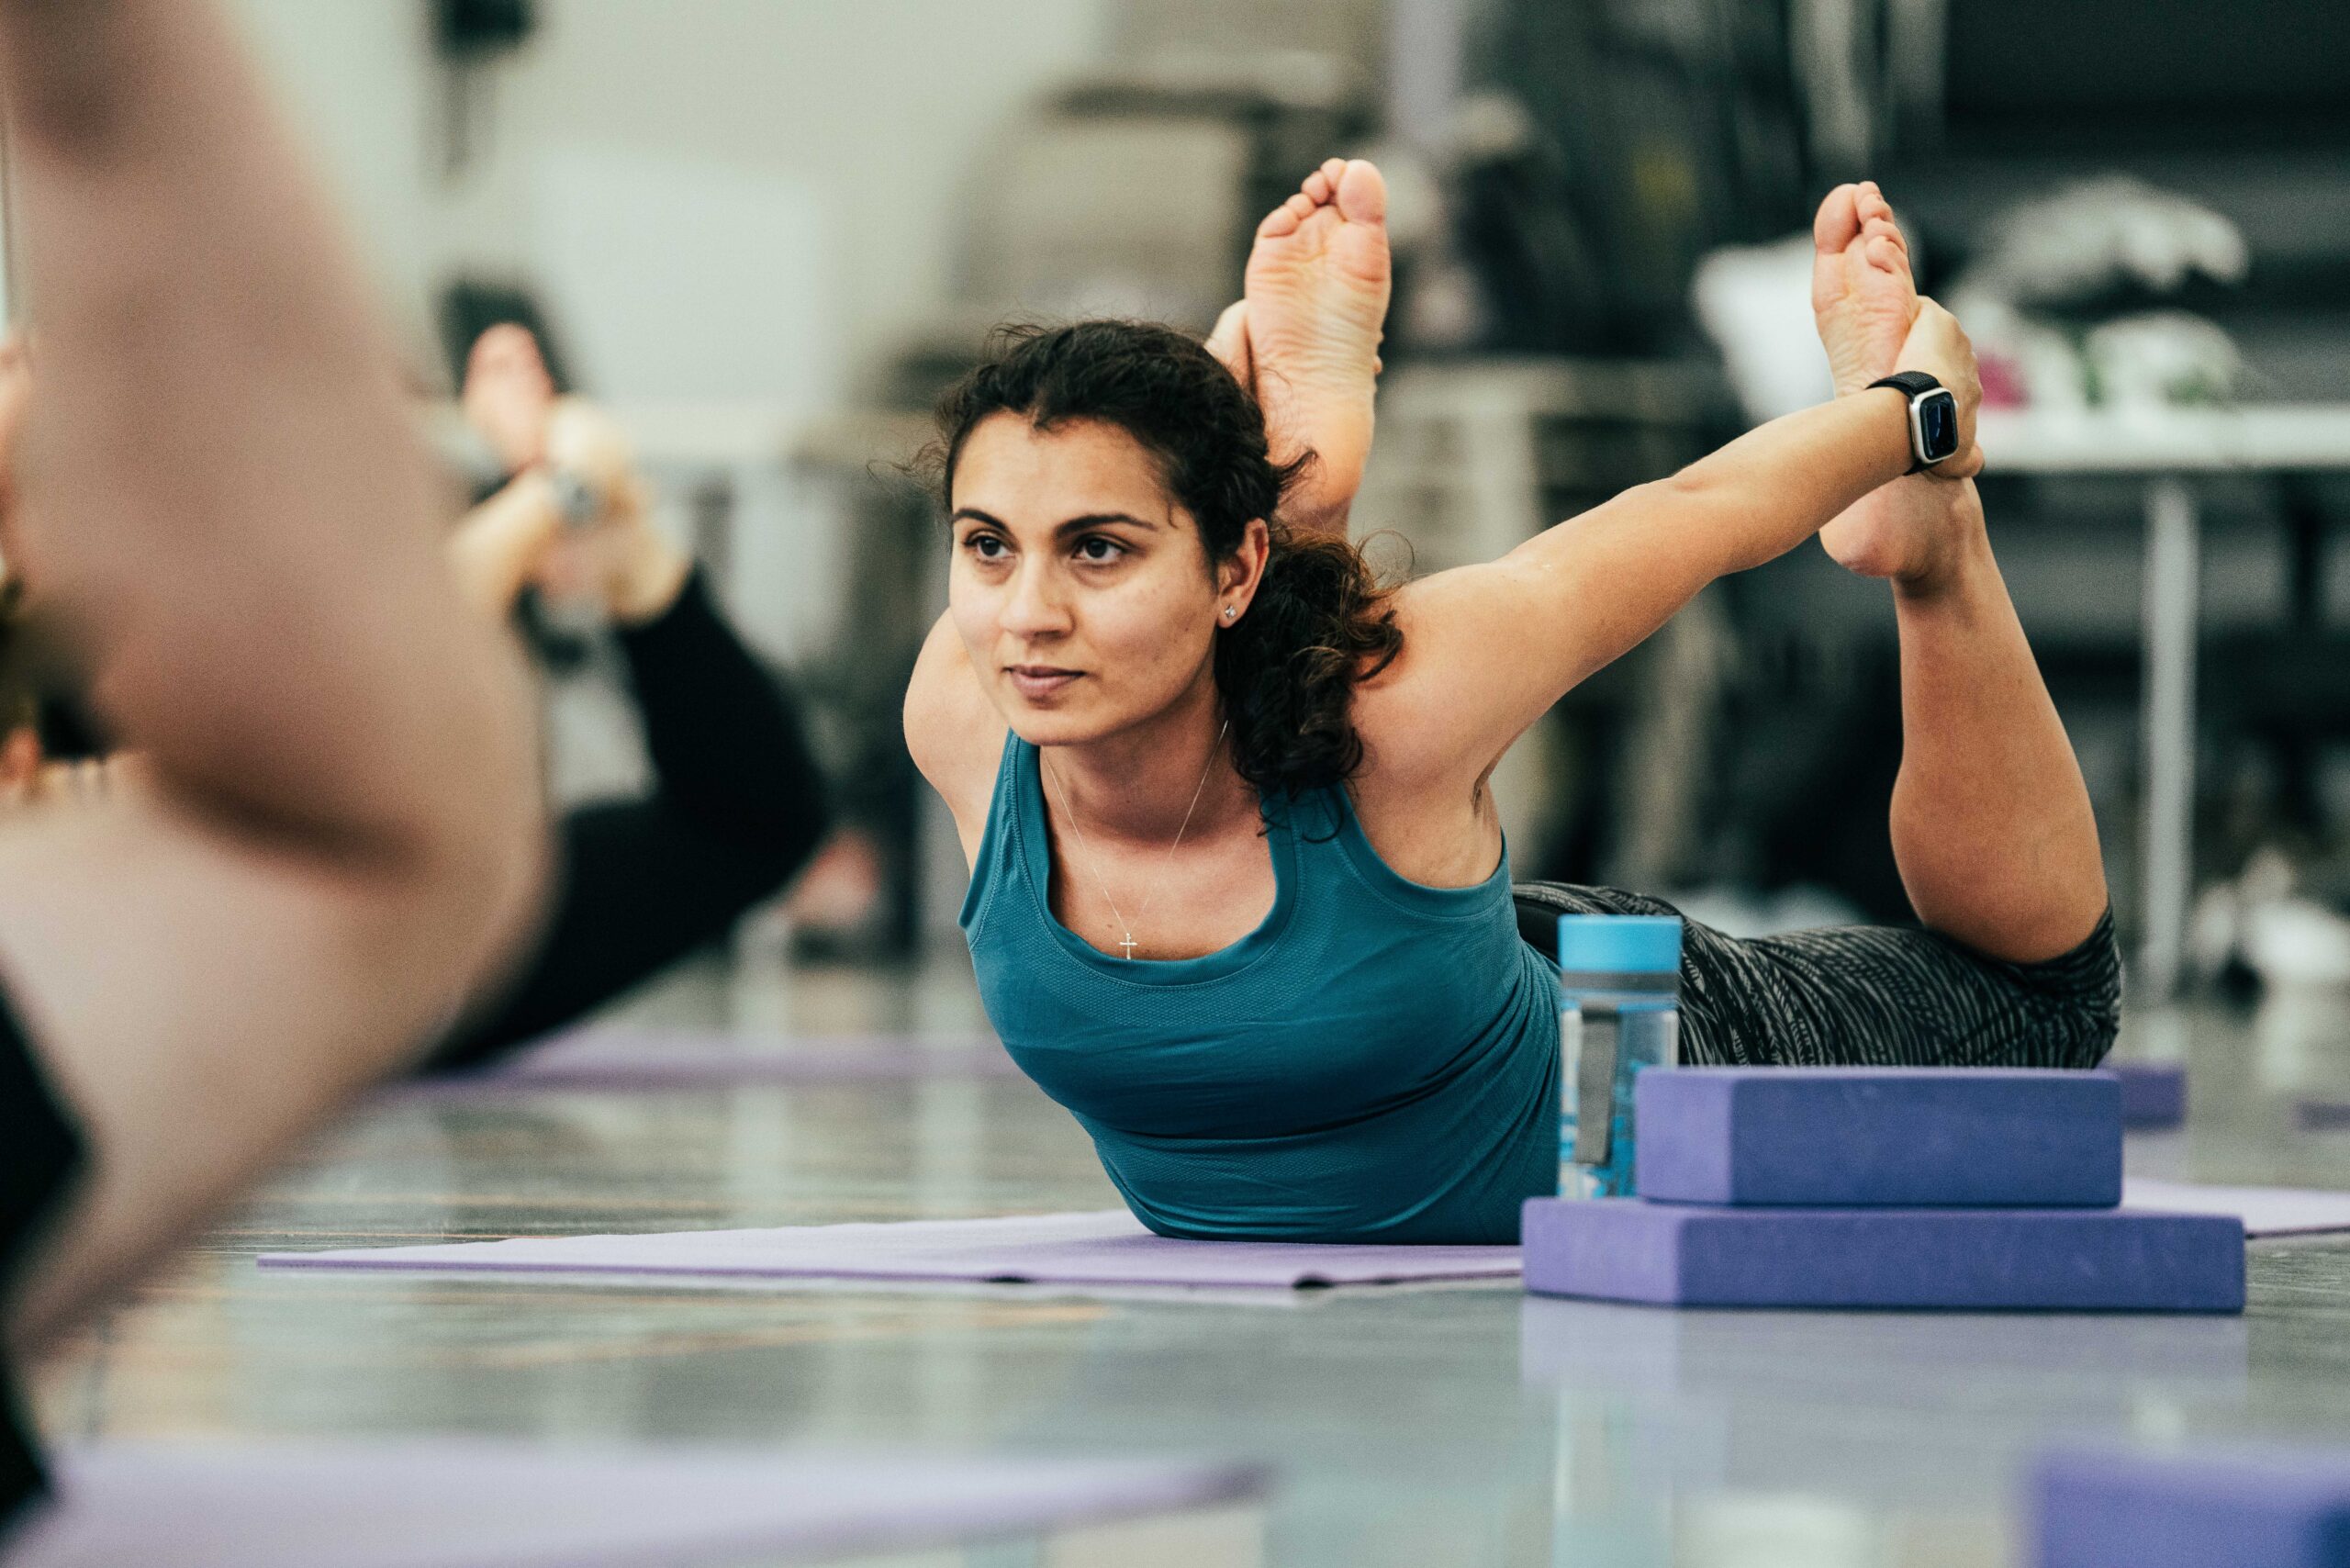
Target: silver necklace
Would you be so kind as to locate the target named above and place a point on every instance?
(1095, 866)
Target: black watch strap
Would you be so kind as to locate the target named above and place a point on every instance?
(1912, 384)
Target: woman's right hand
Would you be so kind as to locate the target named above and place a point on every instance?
(501, 544)
(1938, 345)
(619, 557)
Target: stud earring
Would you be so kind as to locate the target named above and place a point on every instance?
(1229, 612)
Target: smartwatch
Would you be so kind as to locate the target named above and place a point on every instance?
(1933, 416)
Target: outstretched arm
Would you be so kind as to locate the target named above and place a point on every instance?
(223, 492)
(1489, 648)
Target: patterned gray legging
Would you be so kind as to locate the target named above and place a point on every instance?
(1864, 995)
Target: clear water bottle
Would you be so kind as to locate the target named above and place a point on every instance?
(1619, 1013)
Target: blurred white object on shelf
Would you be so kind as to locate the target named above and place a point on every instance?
(1755, 301)
(2083, 238)
(2162, 357)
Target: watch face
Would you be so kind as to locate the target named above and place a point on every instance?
(1937, 416)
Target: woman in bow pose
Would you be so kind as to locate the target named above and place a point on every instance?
(1240, 898)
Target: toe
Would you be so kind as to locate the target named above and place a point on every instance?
(1362, 193)
(1838, 221)
(1885, 256)
(1886, 228)
(1282, 222)
(1318, 186)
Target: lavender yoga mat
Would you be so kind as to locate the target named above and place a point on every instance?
(1107, 1249)
(2237, 1507)
(2266, 1211)
(687, 1059)
(1110, 1248)
(480, 1505)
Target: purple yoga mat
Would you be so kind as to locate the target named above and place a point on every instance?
(2323, 1115)
(687, 1059)
(480, 1505)
(1107, 1249)
(2238, 1508)
(1880, 1137)
(1956, 1260)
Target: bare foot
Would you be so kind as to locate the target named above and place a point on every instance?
(1864, 298)
(508, 395)
(1862, 295)
(1308, 329)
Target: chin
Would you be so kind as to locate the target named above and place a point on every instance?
(1042, 726)
(1056, 721)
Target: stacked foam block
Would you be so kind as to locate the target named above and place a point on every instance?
(2238, 1508)
(1890, 1188)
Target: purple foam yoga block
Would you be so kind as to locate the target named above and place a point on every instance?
(2242, 1508)
(2154, 1093)
(1969, 1260)
(1879, 1137)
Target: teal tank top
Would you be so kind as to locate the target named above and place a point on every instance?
(1377, 1062)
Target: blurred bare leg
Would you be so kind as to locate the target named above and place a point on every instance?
(224, 494)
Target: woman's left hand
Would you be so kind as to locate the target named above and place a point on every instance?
(1938, 345)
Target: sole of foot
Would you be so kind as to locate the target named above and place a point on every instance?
(1318, 281)
(1864, 298)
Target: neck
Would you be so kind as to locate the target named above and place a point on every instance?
(1139, 783)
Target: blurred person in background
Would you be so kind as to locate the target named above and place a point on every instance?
(737, 802)
(226, 506)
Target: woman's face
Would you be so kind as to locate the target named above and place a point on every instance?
(1083, 592)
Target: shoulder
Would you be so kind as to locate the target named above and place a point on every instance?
(1415, 721)
(953, 732)
(1429, 744)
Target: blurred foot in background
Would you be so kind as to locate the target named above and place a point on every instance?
(508, 394)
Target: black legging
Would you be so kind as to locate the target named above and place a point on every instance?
(736, 808)
(39, 1153)
(1864, 995)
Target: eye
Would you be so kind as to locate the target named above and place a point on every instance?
(986, 546)
(1096, 551)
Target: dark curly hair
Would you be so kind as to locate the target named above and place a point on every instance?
(1321, 621)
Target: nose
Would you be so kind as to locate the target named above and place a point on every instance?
(1036, 607)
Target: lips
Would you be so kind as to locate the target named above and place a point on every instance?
(1038, 682)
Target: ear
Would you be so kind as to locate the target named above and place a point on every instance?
(1243, 572)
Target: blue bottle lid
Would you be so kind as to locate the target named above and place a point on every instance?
(1619, 944)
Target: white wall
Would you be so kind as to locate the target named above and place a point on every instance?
(719, 199)
(850, 122)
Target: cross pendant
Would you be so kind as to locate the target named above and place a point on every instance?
(1128, 945)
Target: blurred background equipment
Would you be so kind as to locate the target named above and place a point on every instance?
(768, 239)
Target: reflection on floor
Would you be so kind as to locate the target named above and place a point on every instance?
(1411, 1428)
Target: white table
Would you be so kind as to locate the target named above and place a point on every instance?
(2166, 448)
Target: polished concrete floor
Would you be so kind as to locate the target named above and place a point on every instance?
(1412, 1429)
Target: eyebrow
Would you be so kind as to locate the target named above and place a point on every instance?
(1074, 525)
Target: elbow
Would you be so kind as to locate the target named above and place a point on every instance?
(1710, 515)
